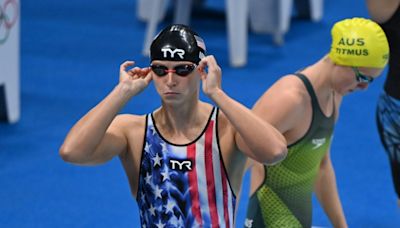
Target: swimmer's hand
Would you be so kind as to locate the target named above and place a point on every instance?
(134, 80)
(210, 73)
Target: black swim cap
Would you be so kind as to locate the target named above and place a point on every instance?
(178, 43)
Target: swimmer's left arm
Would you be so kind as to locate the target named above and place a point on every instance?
(327, 193)
(254, 137)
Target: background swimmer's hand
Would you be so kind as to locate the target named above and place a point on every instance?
(210, 74)
(136, 79)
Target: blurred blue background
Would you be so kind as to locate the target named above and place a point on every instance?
(70, 56)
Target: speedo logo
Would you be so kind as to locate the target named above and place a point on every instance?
(172, 53)
(318, 143)
(248, 223)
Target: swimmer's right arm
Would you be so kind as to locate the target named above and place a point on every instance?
(381, 11)
(99, 135)
(281, 105)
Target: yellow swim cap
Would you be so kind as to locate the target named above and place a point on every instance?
(359, 42)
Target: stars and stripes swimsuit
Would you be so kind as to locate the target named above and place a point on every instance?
(184, 185)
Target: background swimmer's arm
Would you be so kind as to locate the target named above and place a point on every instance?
(325, 188)
(327, 193)
(382, 10)
(283, 104)
(98, 136)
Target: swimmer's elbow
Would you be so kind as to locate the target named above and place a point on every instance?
(71, 155)
(66, 153)
(276, 155)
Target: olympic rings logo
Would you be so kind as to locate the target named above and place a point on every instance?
(9, 13)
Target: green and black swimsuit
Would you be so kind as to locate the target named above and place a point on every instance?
(285, 197)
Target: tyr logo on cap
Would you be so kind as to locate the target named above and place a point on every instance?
(179, 52)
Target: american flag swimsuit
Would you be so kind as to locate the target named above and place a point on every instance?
(184, 185)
